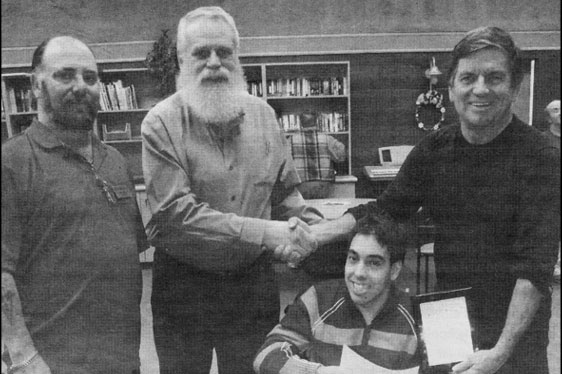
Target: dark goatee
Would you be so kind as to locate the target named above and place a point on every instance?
(76, 114)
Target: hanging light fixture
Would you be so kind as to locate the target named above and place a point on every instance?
(433, 73)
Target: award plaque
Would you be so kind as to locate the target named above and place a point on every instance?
(445, 326)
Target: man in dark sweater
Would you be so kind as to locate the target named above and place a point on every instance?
(491, 185)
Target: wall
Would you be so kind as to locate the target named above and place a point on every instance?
(384, 83)
(27, 22)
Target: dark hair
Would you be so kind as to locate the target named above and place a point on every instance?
(308, 119)
(488, 37)
(390, 234)
(37, 59)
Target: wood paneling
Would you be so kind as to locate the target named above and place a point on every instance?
(27, 22)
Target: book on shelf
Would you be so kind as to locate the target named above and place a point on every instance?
(115, 96)
(332, 122)
(134, 97)
(21, 100)
(290, 121)
(113, 100)
(254, 88)
(325, 122)
(105, 104)
(307, 86)
(121, 94)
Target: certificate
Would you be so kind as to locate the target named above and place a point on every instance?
(356, 364)
(445, 324)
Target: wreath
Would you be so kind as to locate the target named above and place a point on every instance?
(430, 98)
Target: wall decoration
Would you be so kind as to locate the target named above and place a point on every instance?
(431, 100)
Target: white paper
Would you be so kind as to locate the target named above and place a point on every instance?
(359, 365)
(446, 331)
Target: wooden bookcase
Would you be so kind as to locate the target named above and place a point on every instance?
(295, 87)
(290, 88)
(18, 109)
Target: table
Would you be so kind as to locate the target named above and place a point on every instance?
(333, 208)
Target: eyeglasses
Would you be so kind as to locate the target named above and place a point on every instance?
(67, 75)
(106, 188)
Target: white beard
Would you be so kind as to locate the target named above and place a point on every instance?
(216, 102)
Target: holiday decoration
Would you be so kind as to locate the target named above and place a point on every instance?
(432, 99)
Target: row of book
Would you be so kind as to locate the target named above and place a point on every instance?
(325, 122)
(114, 96)
(255, 88)
(21, 100)
(307, 86)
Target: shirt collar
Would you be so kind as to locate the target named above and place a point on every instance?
(389, 306)
(229, 130)
(43, 136)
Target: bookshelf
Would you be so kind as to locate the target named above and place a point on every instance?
(18, 107)
(128, 93)
(295, 87)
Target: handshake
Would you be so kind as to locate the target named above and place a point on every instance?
(290, 241)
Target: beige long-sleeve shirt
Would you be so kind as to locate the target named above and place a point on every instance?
(210, 194)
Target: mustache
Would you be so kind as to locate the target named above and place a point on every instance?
(73, 98)
(89, 101)
(215, 76)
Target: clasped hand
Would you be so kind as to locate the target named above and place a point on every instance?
(296, 242)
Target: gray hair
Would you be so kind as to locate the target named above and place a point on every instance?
(210, 12)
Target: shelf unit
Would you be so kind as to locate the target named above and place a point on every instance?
(294, 87)
(17, 108)
(290, 88)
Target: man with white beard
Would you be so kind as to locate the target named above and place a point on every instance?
(216, 168)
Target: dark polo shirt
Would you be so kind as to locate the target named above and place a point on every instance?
(73, 253)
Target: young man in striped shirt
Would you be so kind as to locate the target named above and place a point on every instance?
(364, 311)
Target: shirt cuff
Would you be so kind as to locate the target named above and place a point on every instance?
(253, 231)
(300, 366)
(542, 282)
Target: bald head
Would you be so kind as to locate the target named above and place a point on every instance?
(553, 115)
(66, 84)
(56, 44)
(553, 105)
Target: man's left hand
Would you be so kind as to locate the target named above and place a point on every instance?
(481, 362)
